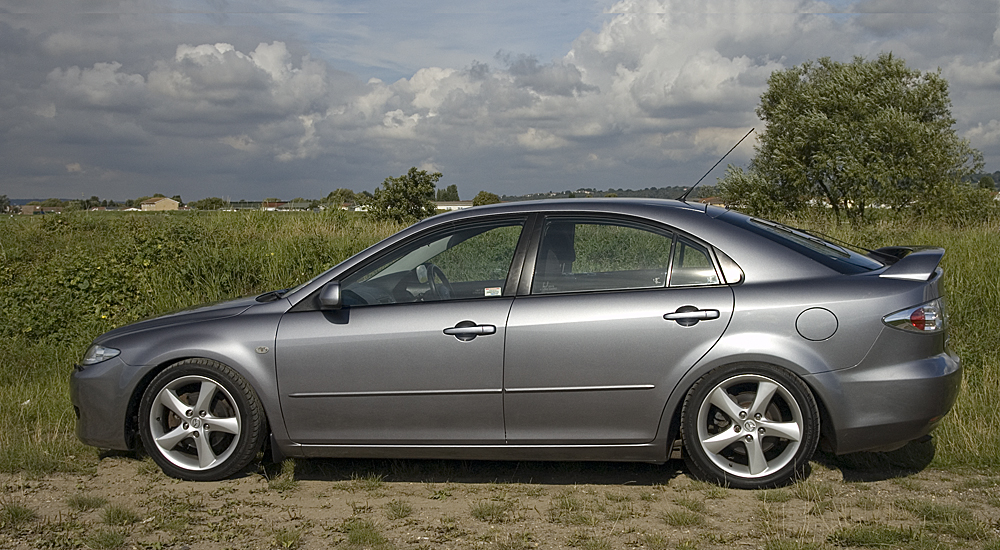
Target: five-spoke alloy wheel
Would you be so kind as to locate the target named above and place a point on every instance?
(749, 426)
(200, 420)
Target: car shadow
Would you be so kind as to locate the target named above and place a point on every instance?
(484, 471)
(915, 457)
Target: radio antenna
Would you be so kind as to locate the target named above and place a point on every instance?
(683, 198)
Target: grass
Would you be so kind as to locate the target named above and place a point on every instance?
(14, 515)
(83, 503)
(872, 536)
(492, 511)
(365, 534)
(398, 509)
(54, 298)
(119, 515)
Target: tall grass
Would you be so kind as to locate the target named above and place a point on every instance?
(66, 279)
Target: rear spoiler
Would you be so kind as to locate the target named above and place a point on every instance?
(909, 263)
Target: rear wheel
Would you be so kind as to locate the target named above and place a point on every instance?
(749, 426)
(201, 421)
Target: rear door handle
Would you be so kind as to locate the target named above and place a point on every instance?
(687, 316)
(467, 330)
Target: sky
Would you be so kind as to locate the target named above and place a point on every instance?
(296, 98)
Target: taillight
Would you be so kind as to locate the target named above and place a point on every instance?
(927, 317)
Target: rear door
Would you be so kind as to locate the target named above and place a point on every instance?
(590, 357)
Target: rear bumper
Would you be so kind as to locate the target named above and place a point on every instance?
(883, 408)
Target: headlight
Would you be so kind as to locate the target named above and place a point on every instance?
(97, 353)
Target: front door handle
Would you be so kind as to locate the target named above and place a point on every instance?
(467, 330)
(687, 316)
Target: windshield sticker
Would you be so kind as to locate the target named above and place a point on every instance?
(495, 291)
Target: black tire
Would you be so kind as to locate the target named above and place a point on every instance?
(195, 440)
(726, 442)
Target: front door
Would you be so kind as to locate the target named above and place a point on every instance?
(415, 356)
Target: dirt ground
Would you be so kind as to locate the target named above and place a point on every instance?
(128, 503)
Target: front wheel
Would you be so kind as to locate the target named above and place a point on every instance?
(749, 426)
(201, 421)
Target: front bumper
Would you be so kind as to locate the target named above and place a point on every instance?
(883, 408)
(100, 394)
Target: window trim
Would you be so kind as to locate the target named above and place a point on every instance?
(311, 303)
(526, 280)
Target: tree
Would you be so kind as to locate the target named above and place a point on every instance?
(448, 194)
(406, 198)
(485, 197)
(751, 193)
(340, 197)
(4, 203)
(209, 203)
(860, 133)
(986, 182)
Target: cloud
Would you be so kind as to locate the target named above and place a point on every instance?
(233, 103)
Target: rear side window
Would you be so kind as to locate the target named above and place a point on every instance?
(580, 255)
(834, 256)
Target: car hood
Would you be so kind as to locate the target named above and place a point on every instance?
(197, 314)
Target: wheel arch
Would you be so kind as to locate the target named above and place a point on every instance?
(670, 423)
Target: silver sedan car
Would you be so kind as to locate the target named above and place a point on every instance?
(600, 329)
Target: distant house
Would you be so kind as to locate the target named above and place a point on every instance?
(452, 205)
(296, 205)
(158, 203)
(713, 201)
(29, 209)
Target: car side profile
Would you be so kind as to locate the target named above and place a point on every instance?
(600, 329)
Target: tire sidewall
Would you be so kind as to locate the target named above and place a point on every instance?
(247, 404)
(702, 466)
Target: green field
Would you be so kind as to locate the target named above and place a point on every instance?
(66, 279)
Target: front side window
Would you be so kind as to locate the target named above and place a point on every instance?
(471, 261)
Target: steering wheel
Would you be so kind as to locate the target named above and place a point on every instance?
(438, 282)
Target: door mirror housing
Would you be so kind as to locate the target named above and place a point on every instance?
(329, 296)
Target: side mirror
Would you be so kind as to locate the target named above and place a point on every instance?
(329, 296)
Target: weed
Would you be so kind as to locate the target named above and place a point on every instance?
(907, 483)
(119, 515)
(654, 541)
(398, 509)
(14, 515)
(946, 518)
(683, 518)
(774, 495)
(439, 494)
(368, 482)
(287, 537)
(812, 491)
(567, 509)
(820, 507)
(587, 541)
(284, 481)
(106, 539)
(515, 541)
(492, 511)
(84, 503)
(872, 536)
(365, 534)
(691, 504)
(648, 496)
(791, 544)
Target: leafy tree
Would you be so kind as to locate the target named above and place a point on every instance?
(178, 199)
(448, 194)
(406, 198)
(986, 182)
(340, 197)
(860, 133)
(53, 202)
(752, 193)
(485, 197)
(209, 203)
(4, 203)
